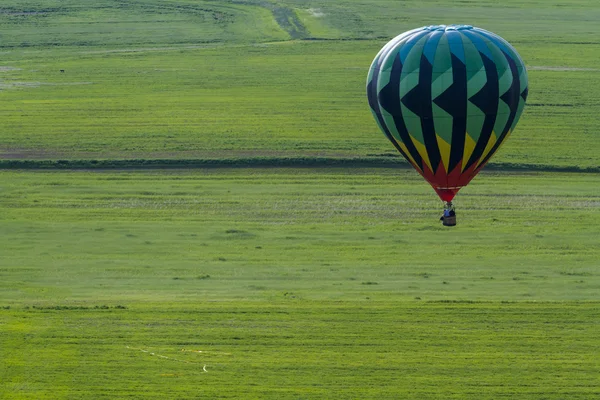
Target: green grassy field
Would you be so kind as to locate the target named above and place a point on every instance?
(295, 282)
(319, 234)
(304, 349)
(198, 87)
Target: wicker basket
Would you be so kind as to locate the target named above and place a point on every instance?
(449, 221)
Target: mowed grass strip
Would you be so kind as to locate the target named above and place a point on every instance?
(302, 349)
(267, 234)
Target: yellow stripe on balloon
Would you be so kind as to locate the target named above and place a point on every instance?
(411, 159)
(468, 150)
(488, 148)
(423, 152)
(444, 151)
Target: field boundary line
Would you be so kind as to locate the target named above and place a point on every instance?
(258, 162)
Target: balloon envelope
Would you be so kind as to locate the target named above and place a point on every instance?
(447, 97)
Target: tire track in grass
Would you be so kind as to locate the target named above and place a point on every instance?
(285, 17)
(287, 20)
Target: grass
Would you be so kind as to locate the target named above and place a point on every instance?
(211, 90)
(327, 283)
(331, 234)
(294, 282)
(52, 23)
(304, 349)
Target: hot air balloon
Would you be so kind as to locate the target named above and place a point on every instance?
(447, 97)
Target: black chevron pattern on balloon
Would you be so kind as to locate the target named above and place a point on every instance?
(487, 101)
(427, 126)
(510, 97)
(377, 112)
(372, 91)
(524, 94)
(389, 95)
(374, 104)
(389, 98)
(487, 98)
(449, 100)
(418, 100)
(454, 101)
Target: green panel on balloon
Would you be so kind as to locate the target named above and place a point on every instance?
(413, 59)
(523, 79)
(476, 82)
(409, 81)
(501, 117)
(504, 81)
(413, 124)
(391, 125)
(499, 59)
(443, 123)
(389, 59)
(441, 83)
(520, 109)
(383, 79)
(442, 62)
(475, 121)
(472, 58)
